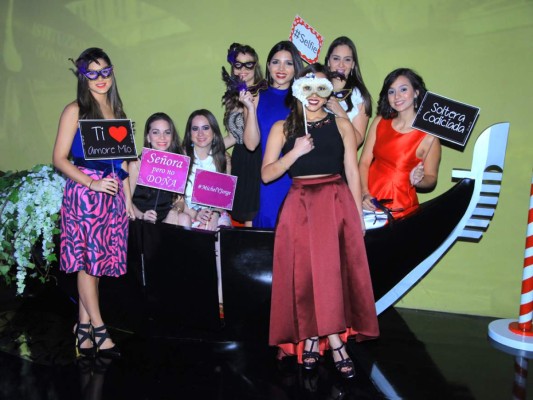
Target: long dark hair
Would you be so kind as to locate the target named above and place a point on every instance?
(175, 143)
(384, 108)
(354, 78)
(89, 108)
(217, 145)
(230, 99)
(294, 124)
(285, 45)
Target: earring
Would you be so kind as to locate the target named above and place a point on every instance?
(416, 103)
(192, 144)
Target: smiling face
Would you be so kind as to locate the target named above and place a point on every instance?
(314, 101)
(100, 85)
(245, 74)
(201, 133)
(341, 60)
(160, 135)
(401, 94)
(281, 68)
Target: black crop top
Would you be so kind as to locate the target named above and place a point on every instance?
(328, 155)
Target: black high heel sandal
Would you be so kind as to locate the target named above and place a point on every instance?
(100, 335)
(83, 333)
(309, 357)
(344, 365)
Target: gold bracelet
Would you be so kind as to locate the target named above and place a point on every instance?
(92, 180)
(282, 164)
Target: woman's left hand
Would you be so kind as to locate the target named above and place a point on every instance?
(417, 174)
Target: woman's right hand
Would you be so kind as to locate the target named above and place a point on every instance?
(334, 106)
(246, 98)
(149, 216)
(106, 185)
(303, 145)
(367, 202)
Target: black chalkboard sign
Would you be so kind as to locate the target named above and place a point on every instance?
(446, 118)
(107, 139)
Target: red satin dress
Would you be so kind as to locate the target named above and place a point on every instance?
(394, 159)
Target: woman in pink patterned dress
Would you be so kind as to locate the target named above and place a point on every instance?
(96, 202)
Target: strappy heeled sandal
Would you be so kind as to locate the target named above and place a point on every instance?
(309, 357)
(83, 333)
(344, 365)
(100, 336)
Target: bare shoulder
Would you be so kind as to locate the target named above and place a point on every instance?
(72, 107)
(345, 126)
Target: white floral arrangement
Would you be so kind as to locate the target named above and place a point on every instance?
(30, 202)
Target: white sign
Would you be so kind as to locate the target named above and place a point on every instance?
(306, 39)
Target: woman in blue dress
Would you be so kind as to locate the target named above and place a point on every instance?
(283, 63)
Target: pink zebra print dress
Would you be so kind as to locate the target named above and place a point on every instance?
(94, 226)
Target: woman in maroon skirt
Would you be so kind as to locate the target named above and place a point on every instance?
(321, 289)
(96, 203)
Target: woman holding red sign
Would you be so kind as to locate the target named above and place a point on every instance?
(155, 205)
(397, 160)
(203, 142)
(321, 288)
(96, 203)
(350, 98)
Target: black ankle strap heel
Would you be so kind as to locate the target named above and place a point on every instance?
(309, 357)
(344, 365)
(83, 333)
(100, 336)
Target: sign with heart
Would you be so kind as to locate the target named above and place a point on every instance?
(107, 139)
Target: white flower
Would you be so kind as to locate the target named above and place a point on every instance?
(29, 207)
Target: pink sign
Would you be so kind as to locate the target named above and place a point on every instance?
(163, 170)
(214, 189)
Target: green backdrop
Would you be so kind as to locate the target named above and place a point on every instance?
(168, 55)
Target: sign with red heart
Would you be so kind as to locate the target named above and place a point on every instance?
(107, 139)
(118, 133)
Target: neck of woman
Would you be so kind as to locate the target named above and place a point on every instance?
(202, 152)
(404, 120)
(313, 116)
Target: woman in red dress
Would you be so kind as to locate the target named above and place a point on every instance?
(397, 159)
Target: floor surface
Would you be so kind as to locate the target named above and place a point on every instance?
(420, 355)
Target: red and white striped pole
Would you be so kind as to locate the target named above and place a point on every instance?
(518, 335)
(523, 326)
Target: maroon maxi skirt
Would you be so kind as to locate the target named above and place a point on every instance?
(321, 282)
